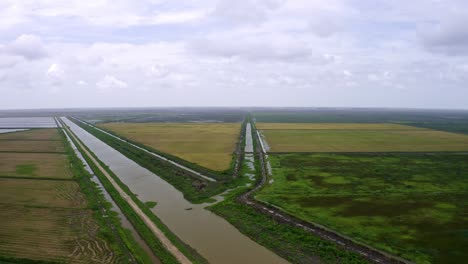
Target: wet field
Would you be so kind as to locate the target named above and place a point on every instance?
(27, 122)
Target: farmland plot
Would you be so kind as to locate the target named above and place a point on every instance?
(42, 165)
(31, 146)
(359, 138)
(33, 134)
(42, 218)
(207, 144)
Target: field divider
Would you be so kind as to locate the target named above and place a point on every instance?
(165, 241)
(35, 178)
(149, 152)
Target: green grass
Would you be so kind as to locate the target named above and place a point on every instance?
(359, 138)
(412, 205)
(26, 169)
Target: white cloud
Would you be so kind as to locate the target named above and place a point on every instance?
(110, 83)
(299, 52)
(177, 17)
(30, 47)
(246, 11)
(55, 74)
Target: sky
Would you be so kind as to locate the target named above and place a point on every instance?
(307, 53)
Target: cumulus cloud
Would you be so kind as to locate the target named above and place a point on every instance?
(245, 12)
(55, 74)
(299, 52)
(256, 47)
(449, 37)
(110, 83)
(30, 47)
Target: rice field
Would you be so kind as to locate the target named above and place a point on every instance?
(32, 134)
(42, 218)
(41, 193)
(40, 165)
(31, 146)
(210, 145)
(358, 138)
(52, 234)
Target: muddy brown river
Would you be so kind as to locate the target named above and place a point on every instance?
(212, 236)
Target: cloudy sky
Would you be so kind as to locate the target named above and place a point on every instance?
(364, 53)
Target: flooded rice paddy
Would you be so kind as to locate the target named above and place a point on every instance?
(27, 122)
(3, 131)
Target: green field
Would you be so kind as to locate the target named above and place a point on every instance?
(353, 137)
(209, 145)
(412, 205)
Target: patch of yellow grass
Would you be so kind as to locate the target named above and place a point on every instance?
(210, 145)
(335, 126)
(360, 138)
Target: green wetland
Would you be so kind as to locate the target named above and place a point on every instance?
(411, 205)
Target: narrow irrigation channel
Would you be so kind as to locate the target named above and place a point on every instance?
(212, 236)
(123, 220)
(371, 254)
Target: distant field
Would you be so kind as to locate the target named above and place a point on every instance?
(359, 138)
(334, 126)
(210, 145)
(45, 219)
(48, 165)
(33, 134)
(413, 205)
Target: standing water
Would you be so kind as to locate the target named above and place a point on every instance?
(212, 236)
(123, 220)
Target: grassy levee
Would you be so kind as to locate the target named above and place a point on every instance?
(292, 243)
(152, 241)
(195, 189)
(122, 240)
